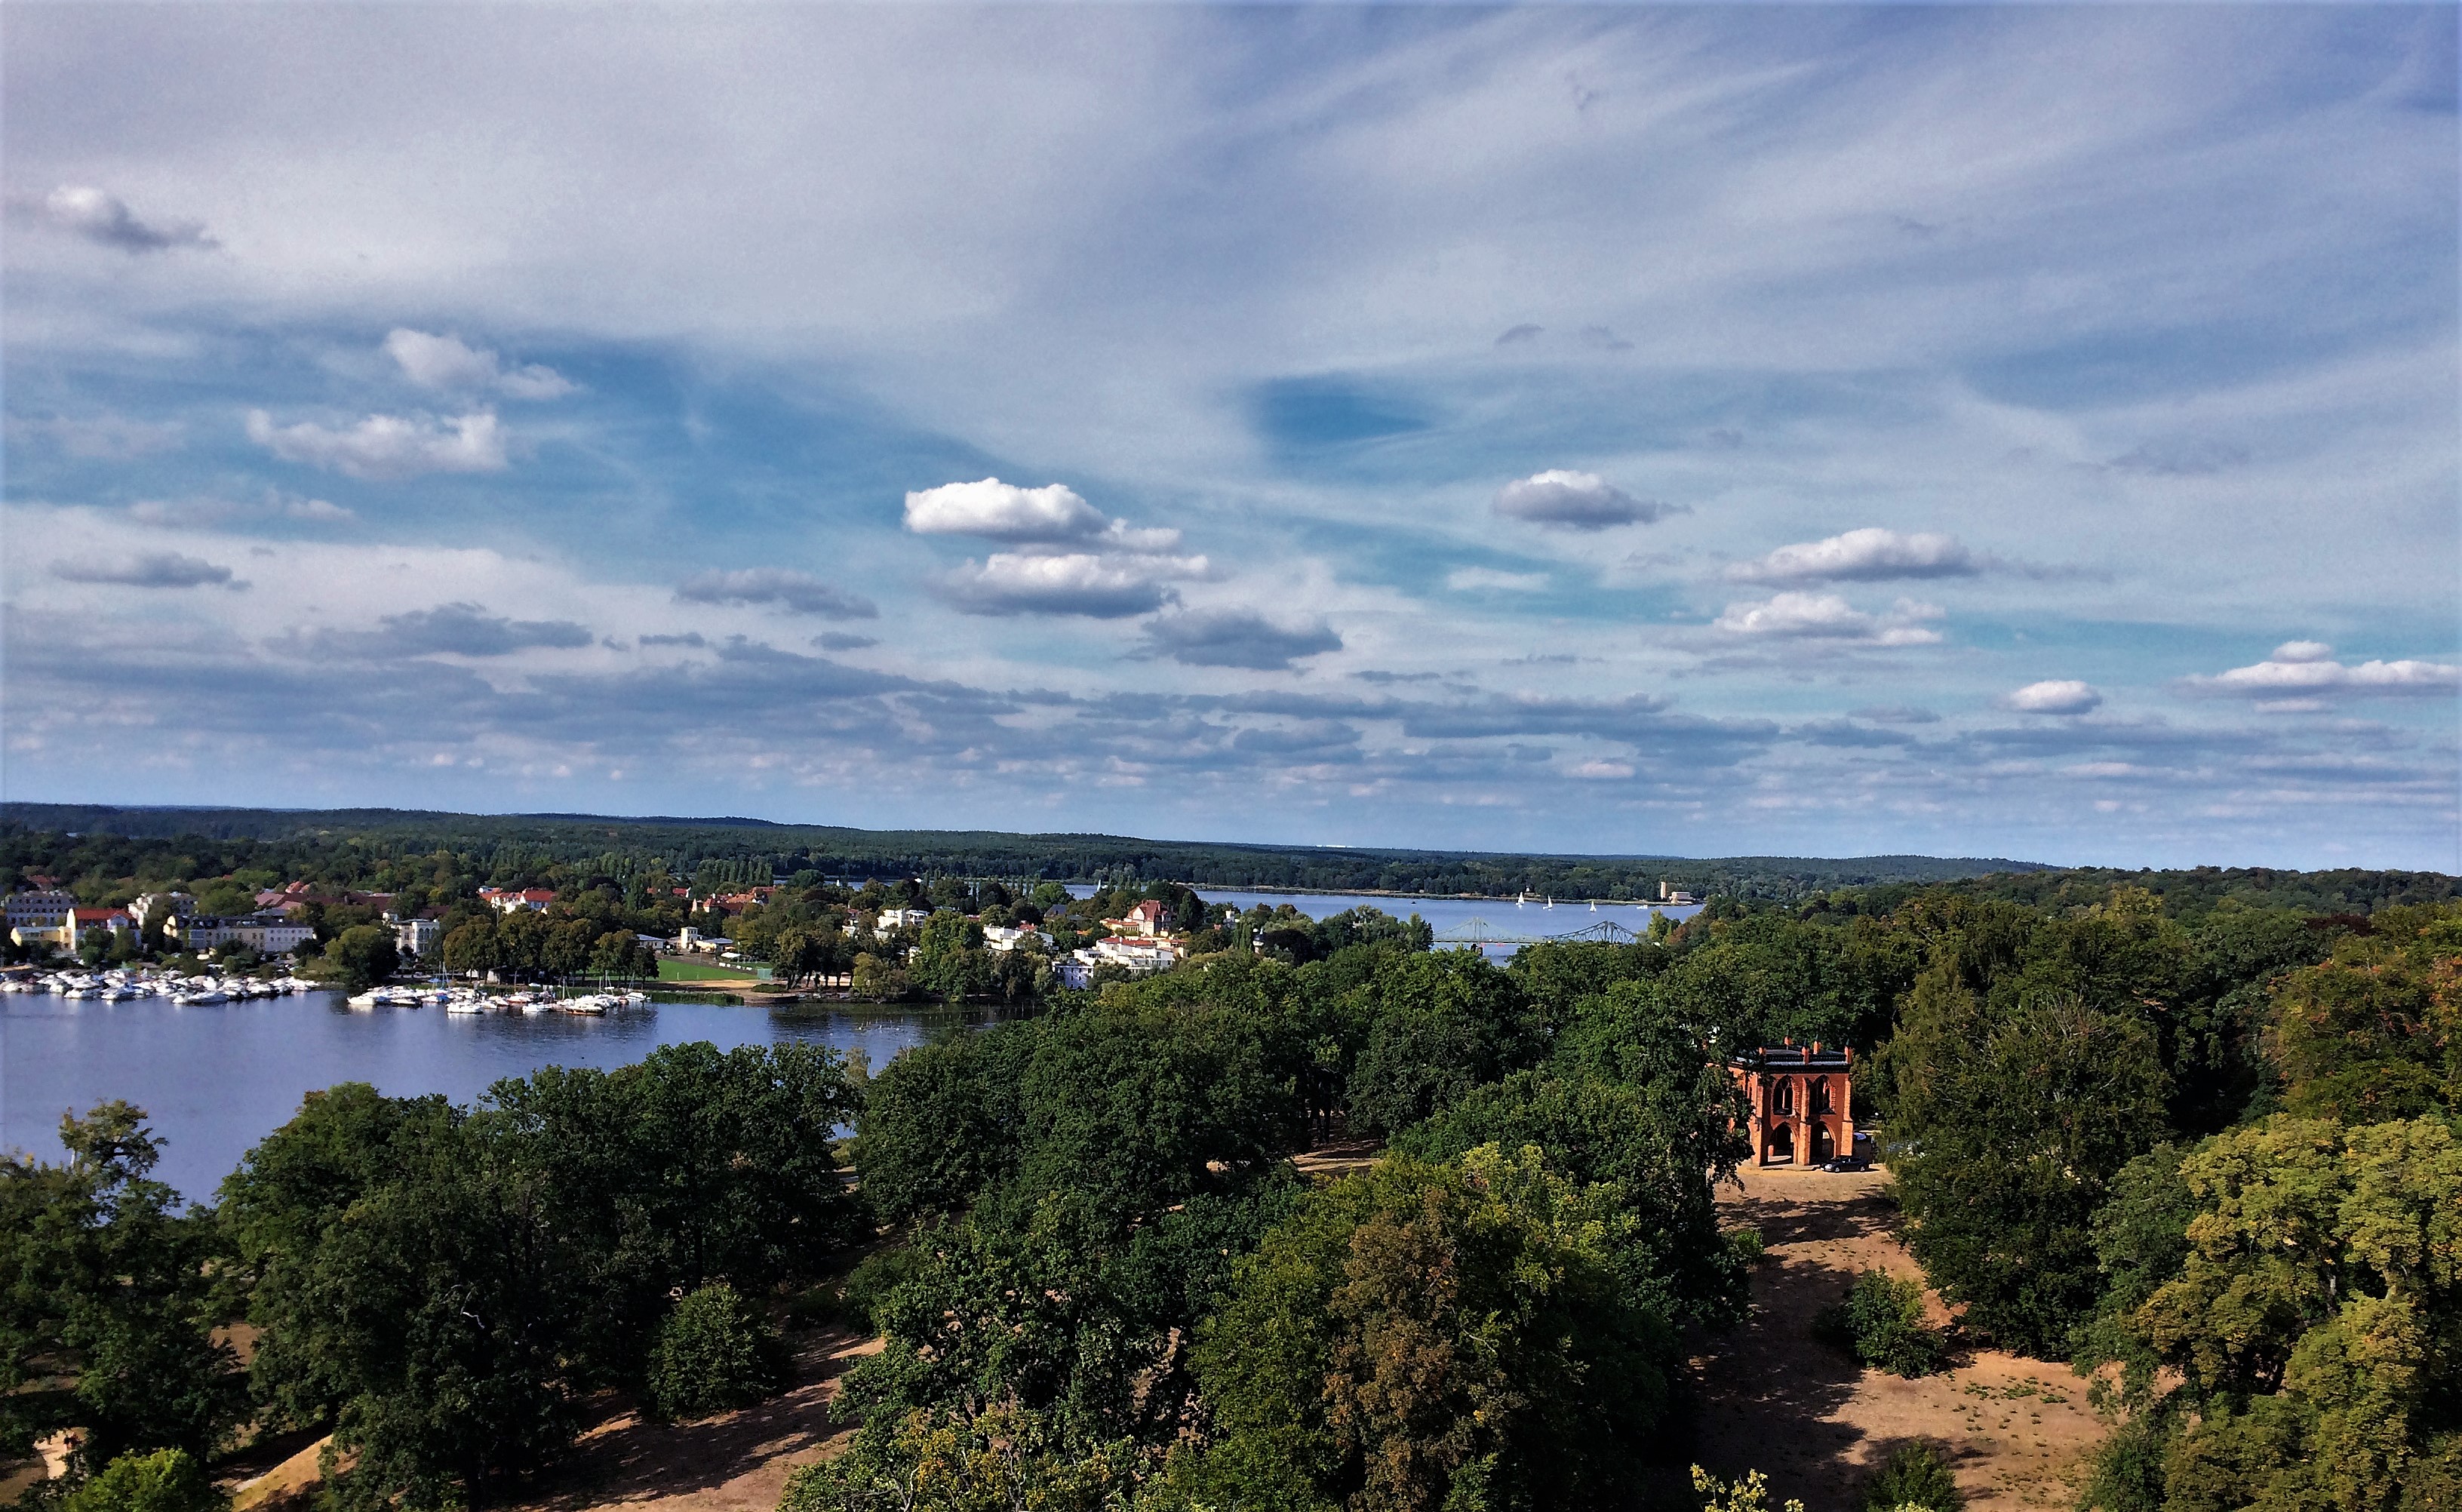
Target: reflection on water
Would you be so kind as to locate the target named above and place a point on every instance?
(217, 1079)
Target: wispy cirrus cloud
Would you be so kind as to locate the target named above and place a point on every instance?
(796, 592)
(388, 448)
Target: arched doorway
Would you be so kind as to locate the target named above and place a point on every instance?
(1781, 1144)
(1824, 1147)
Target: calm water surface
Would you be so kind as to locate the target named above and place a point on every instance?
(217, 1079)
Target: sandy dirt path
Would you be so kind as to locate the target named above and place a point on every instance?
(2018, 1431)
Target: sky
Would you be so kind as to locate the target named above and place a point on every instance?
(2015, 431)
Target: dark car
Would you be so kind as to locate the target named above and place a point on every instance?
(1847, 1162)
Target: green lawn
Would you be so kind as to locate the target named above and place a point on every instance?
(670, 969)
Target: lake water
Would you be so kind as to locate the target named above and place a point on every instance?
(216, 1080)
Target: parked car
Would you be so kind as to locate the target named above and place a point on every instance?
(1847, 1162)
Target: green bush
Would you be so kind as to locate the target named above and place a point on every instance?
(715, 1353)
(1914, 1475)
(2129, 1468)
(1746, 1245)
(1881, 1324)
(165, 1480)
(873, 1279)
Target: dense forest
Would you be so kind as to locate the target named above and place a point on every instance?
(510, 849)
(2193, 1135)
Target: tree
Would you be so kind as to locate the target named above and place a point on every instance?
(714, 1354)
(2375, 1033)
(2013, 1116)
(1443, 1022)
(107, 1307)
(161, 1481)
(2314, 1316)
(363, 955)
(1423, 1336)
(950, 961)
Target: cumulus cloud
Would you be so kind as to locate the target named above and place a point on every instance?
(1051, 515)
(448, 362)
(105, 220)
(388, 448)
(1238, 637)
(2055, 695)
(148, 569)
(1895, 714)
(1826, 617)
(1575, 500)
(2304, 673)
(461, 630)
(1101, 586)
(840, 640)
(1488, 579)
(1869, 555)
(796, 592)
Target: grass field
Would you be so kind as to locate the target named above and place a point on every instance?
(671, 969)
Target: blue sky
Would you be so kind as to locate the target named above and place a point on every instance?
(2019, 431)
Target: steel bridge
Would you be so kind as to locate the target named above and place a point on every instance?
(1480, 932)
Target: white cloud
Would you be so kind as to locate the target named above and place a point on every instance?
(2300, 674)
(1870, 554)
(1101, 586)
(1002, 512)
(448, 362)
(1488, 579)
(1602, 770)
(1575, 500)
(388, 448)
(1826, 617)
(105, 220)
(2054, 696)
(204, 510)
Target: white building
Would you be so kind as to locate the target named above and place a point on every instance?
(44, 910)
(510, 900)
(417, 937)
(1007, 938)
(268, 934)
(165, 905)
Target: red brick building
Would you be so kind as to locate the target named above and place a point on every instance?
(1800, 1102)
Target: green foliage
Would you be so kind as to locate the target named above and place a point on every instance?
(162, 1480)
(949, 960)
(1748, 1493)
(714, 1353)
(1881, 1324)
(2127, 1473)
(945, 1461)
(362, 956)
(2314, 1313)
(1419, 1336)
(2376, 1033)
(107, 1305)
(1443, 1022)
(440, 1285)
(2016, 1105)
(1914, 1475)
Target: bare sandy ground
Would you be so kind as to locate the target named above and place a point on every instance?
(2018, 1431)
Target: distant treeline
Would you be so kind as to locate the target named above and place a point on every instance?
(510, 848)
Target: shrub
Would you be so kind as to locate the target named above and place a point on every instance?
(1914, 1475)
(165, 1480)
(1746, 1245)
(714, 1353)
(2128, 1475)
(1881, 1325)
(872, 1281)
